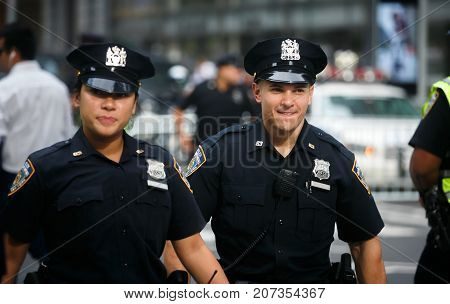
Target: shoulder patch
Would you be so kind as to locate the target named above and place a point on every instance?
(197, 161)
(359, 175)
(22, 177)
(182, 175)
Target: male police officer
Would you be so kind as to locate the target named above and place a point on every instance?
(430, 166)
(276, 188)
(219, 103)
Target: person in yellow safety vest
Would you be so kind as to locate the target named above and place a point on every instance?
(429, 167)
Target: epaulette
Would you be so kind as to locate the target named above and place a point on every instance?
(49, 150)
(151, 150)
(213, 140)
(322, 135)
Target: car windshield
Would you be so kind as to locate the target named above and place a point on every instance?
(371, 106)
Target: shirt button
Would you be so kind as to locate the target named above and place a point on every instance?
(121, 197)
(280, 252)
(239, 197)
(281, 222)
(124, 231)
(125, 264)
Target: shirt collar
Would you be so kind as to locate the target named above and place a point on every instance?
(25, 66)
(260, 140)
(81, 148)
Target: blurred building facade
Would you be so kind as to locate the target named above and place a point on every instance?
(185, 30)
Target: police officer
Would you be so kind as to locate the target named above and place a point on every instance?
(430, 166)
(219, 103)
(275, 188)
(105, 201)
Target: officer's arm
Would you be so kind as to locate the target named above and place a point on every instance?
(424, 169)
(15, 253)
(199, 260)
(171, 260)
(368, 261)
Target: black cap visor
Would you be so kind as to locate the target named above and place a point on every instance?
(109, 86)
(287, 76)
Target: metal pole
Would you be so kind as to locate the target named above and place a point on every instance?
(422, 47)
(11, 14)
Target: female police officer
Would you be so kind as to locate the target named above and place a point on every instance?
(105, 201)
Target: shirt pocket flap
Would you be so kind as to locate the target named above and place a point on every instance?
(154, 198)
(79, 197)
(244, 195)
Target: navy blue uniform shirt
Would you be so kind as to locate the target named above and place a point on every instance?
(103, 222)
(233, 175)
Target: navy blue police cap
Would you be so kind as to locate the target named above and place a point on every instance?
(110, 67)
(287, 60)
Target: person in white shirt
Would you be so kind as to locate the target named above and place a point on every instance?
(35, 109)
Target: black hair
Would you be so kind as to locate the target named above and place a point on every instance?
(21, 38)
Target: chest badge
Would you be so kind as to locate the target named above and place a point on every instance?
(321, 169)
(156, 169)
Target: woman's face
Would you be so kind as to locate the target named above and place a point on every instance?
(104, 115)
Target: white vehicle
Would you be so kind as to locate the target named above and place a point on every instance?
(375, 121)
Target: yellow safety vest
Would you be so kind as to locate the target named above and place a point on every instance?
(444, 85)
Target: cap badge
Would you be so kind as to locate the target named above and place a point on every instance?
(116, 57)
(156, 169)
(290, 50)
(321, 169)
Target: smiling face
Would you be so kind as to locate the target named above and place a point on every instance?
(104, 115)
(283, 105)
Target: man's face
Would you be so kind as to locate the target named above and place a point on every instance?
(4, 57)
(283, 105)
(104, 115)
(230, 73)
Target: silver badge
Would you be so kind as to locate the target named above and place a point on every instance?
(156, 169)
(290, 50)
(116, 57)
(259, 143)
(321, 169)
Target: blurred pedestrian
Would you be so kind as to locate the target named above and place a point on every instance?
(34, 107)
(430, 172)
(219, 103)
(274, 189)
(106, 202)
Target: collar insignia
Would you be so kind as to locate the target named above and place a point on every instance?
(321, 169)
(259, 143)
(77, 153)
(116, 57)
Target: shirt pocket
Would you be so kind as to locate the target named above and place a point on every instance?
(316, 215)
(152, 212)
(244, 207)
(78, 211)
